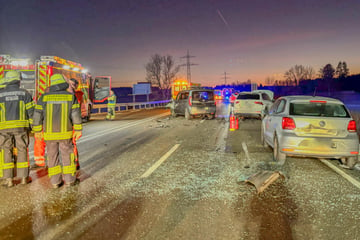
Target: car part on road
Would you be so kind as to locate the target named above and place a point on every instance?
(262, 180)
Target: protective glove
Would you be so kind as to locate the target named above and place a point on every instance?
(77, 135)
(39, 136)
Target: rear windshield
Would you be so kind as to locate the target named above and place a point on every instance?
(249, 96)
(319, 109)
(203, 96)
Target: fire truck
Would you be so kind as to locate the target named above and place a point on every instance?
(35, 77)
(181, 84)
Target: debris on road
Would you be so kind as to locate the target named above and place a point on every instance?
(263, 179)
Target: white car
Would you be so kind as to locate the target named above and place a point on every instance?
(309, 126)
(252, 104)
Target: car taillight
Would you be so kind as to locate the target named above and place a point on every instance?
(259, 103)
(288, 123)
(190, 101)
(352, 126)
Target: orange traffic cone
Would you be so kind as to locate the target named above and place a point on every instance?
(232, 122)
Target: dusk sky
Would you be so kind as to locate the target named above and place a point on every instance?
(249, 39)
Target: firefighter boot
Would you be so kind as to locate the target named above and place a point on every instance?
(9, 183)
(25, 180)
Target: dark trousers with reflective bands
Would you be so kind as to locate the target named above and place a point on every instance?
(7, 159)
(67, 171)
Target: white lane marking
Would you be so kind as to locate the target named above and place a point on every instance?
(244, 146)
(342, 173)
(202, 121)
(159, 162)
(111, 130)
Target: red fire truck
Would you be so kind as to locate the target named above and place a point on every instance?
(36, 78)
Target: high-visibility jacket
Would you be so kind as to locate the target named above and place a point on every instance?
(57, 114)
(111, 100)
(16, 108)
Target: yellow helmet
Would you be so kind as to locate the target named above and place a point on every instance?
(57, 79)
(12, 76)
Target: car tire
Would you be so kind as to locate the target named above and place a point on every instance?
(210, 116)
(262, 136)
(187, 114)
(279, 157)
(351, 161)
(173, 114)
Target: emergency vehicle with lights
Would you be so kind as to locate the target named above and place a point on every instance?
(35, 77)
(180, 85)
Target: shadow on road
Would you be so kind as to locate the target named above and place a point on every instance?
(270, 214)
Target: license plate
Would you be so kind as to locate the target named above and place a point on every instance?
(206, 108)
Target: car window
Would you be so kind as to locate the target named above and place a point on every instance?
(319, 109)
(249, 96)
(183, 96)
(203, 95)
(265, 97)
(281, 106)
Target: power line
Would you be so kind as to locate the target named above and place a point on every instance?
(188, 64)
(225, 77)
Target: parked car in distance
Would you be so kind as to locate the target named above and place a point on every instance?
(252, 104)
(309, 126)
(194, 102)
(233, 97)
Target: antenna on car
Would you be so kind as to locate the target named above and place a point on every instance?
(314, 92)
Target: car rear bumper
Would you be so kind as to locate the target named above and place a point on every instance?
(320, 147)
(202, 110)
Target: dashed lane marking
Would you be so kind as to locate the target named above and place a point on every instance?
(160, 161)
(342, 173)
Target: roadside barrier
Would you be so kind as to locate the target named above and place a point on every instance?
(102, 108)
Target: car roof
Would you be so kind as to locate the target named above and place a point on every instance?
(316, 98)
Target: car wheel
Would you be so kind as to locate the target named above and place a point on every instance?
(263, 142)
(279, 157)
(210, 116)
(187, 114)
(351, 161)
(173, 113)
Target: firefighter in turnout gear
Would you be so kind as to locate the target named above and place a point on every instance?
(16, 111)
(111, 106)
(57, 114)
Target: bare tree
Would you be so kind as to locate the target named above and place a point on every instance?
(169, 71)
(297, 73)
(160, 72)
(342, 71)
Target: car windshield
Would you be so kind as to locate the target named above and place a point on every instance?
(203, 95)
(318, 109)
(249, 96)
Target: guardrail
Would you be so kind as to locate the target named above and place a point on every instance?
(100, 108)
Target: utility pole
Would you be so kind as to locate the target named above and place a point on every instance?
(225, 78)
(188, 64)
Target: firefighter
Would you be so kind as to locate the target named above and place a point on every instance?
(57, 118)
(16, 111)
(111, 106)
(73, 85)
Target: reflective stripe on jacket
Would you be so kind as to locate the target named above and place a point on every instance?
(16, 108)
(57, 113)
(112, 100)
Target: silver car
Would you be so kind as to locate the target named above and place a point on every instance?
(252, 104)
(317, 127)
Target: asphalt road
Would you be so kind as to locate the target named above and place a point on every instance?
(149, 176)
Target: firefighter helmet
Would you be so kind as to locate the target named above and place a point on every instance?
(57, 79)
(12, 76)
